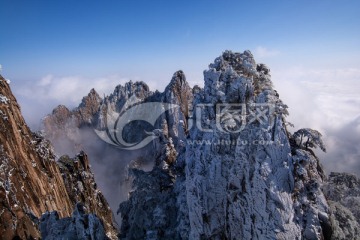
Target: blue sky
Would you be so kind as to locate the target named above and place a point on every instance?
(56, 51)
(155, 38)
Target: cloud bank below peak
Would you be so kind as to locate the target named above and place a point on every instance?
(68, 90)
(327, 100)
(38, 98)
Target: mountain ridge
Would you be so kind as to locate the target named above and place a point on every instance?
(223, 165)
(280, 183)
(32, 183)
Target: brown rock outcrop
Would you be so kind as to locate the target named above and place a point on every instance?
(31, 181)
(81, 187)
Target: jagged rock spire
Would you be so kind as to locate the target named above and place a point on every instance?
(31, 181)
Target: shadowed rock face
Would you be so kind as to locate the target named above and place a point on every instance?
(343, 193)
(31, 181)
(82, 188)
(170, 127)
(69, 133)
(152, 211)
(345, 189)
(62, 126)
(344, 224)
(80, 226)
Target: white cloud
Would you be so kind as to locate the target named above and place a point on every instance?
(0, 67)
(68, 90)
(262, 52)
(323, 99)
(39, 98)
(327, 97)
(45, 80)
(327, 100)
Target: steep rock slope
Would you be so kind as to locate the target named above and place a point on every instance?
(31, 182)
(343, 193)
(231, 183)
(79, 226)
(81, 187)
(225, 166)
(241, 185)
(69, 132)
(152, 210)
(170, 127)
(345, 189)
(63, 126)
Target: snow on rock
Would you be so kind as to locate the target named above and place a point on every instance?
(32, 182)
(344, 224)
(152, 210)
(345, 189)
(4, 99)
(343, 193)
(3, 116)
(236, 190)
(225, 166)
(81, 187)
(80, 226)
(256, 182)
(26, 176)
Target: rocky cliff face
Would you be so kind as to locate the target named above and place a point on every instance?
(153, 209)
(343, 193)
(70, 133)
(63, 126)
(239, 177)
(171, 128)
(254, 166)
(79, 226)
(235, 178)
(81, 187)
(224, 164)
(31, 181)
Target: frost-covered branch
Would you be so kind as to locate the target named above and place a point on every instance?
(309, 138)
